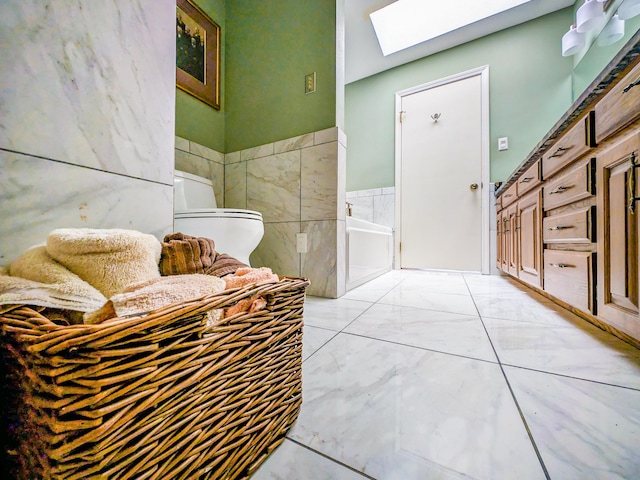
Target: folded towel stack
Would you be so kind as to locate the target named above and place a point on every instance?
(109, 260)
(104, 274)
(183, 254)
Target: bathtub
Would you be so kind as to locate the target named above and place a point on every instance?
(369, 251)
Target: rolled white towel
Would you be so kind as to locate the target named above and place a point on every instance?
(108, 259)
(35, 278)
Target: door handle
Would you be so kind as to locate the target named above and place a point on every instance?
(473, 186)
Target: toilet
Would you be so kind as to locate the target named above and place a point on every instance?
(235, 231)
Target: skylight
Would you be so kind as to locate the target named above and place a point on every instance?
(406, 23)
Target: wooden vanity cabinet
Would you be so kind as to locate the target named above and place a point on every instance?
(618, 220)
(570, 220)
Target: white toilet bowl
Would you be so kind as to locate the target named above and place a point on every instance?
(236, 232)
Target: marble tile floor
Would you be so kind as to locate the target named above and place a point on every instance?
(432, 375)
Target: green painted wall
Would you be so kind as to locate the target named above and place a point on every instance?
(530, 88)
(196, 120)
(270, 47)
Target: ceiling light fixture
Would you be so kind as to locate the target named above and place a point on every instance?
(572, 42)
(629, 9)
(589, 16)
(612, 32)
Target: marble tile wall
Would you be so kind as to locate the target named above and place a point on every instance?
(87, 108)
(197, 159)
(298, 185)
(375, 205)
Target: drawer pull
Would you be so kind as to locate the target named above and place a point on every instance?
(508, 195)
(526, 179)
(560, 189)
(560, 227)
(631, 85)
(560, 265)
(559, 152)
(632, 185)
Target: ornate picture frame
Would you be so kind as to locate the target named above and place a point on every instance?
(197, 53)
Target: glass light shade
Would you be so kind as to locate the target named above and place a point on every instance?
(589, 16)
(628, 9)
(612, 32)
(572, 42)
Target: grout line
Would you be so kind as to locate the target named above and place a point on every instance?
(95, 169)
(349, 467)
(513, 395)
(492, 362)
(626, 387)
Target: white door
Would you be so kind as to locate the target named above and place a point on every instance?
(443, 224)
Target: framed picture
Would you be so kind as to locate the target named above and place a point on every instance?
(197, 53)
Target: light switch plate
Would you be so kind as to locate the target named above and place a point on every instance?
(310, 83)
(503, 143)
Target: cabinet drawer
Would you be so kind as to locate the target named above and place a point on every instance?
(510, 196)
(572, 227)
(569, 276)
(573, 144)
(620, 106)
(529, 179)
(574, 185)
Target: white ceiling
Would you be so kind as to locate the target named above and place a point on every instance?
(363, 56)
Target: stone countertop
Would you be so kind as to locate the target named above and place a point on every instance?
(615, 69)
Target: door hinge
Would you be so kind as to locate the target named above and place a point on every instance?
(400, 246)
(402, 112)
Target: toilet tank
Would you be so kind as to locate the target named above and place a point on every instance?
(192, 192)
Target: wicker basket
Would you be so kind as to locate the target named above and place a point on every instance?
(162, 396)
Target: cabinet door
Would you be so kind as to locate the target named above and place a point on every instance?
(530, 215)
(506, 231)
(514, 240)
(618, 235)
(499, 239)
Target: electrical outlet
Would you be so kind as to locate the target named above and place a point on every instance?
(503, 143)
(301, 242)
(310, 83)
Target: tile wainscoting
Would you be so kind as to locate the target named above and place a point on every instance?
(376, 205)
(298, 185)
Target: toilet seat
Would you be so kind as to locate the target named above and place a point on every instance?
(219, 213)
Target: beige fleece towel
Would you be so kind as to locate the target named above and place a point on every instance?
(109, 259)
(157, 293)
(35, 278)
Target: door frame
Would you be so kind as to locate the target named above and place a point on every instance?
(485, 154)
